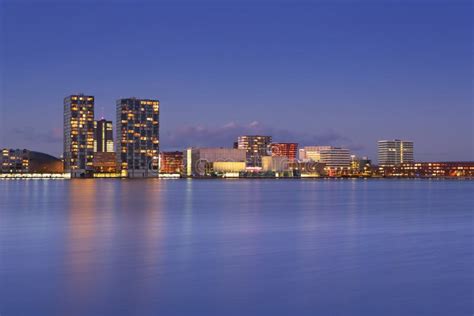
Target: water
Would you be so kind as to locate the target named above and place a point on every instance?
(236, 247)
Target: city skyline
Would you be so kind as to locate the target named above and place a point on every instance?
(339, 74)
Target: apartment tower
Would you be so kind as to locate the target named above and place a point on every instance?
(78, 135)
(138, 140)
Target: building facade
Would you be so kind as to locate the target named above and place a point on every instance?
(277, 164)
(25, 161)
(288, 150)
(105, 162)
(256, 147)
(104, 136)
(78, 135)
(171, 162)
(14, 161)
(207, 161)
(308, 169)
(137, 137)
(361, 166)
(311, 153)
(336, 158)
(429, 169)
(395, 152)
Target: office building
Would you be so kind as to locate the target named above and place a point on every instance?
(332, 157)
(78, 135)
(137, 137)
(395, 152)
(104, 139)
(171, 162)
(311, 153)
(256, 147)
(288, 150)
(335, 158)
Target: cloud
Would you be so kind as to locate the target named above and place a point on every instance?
(50, 136)
(225, 135)
(199, 136)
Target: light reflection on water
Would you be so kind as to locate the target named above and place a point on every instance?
(236, 247)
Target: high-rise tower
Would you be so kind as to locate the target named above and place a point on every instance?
(138, 140)
(78, 135)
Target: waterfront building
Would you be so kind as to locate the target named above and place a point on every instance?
(104, 139)
(312, 153)
(337, 160)
(361, 166)
(288, 150)
(332, 157)
(137, 137)
(256, 147)
(307, 169)
(226, 167)
(171, 162)
(429, 169)
(16, 161)
(78, 135)
(394, 152)
(208, 161)
(277, 164)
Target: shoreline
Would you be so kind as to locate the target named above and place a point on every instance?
(61, 177)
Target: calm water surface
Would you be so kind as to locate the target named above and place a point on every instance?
(236, 247)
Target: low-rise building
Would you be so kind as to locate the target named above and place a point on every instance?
(308, 169)
(171, 162)
(361, 166)
(276, 164)
(429, 169)
(26, 161)
(209, 161)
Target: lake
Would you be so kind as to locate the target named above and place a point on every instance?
(236, 247)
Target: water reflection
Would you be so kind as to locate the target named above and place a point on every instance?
(81, 244)
(150, 247)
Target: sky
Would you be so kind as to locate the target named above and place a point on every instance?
(342, 73)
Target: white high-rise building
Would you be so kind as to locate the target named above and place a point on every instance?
(395, 152)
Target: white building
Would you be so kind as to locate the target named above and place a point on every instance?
(332, 157)
(395, 152)
(336, 158)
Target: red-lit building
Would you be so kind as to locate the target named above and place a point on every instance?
(171, 162)
(288, 150)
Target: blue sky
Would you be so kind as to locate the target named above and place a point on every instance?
(315, 72)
